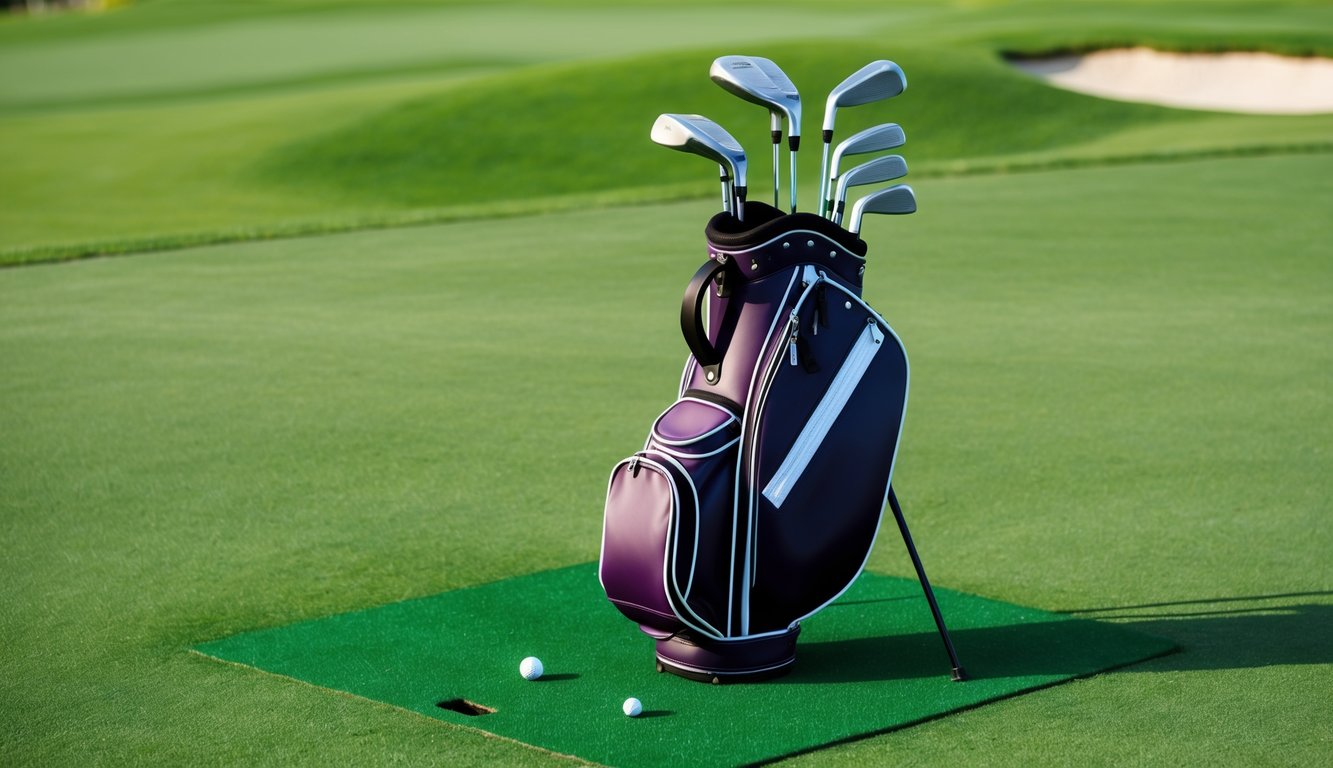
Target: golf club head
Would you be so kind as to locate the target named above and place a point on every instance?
(698, 135)
(898, 199)
(880, 169)
(875, 139)
(875, 81)
(760, 81)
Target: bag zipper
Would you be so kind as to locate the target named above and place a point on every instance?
(821, 421)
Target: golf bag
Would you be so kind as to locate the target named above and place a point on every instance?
(757, 497)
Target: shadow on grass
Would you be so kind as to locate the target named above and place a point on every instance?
(1234, 637)
(1242, 632)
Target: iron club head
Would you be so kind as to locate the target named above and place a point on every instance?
(875, 139)
(877, 170)
(898, 199)
(876, 81)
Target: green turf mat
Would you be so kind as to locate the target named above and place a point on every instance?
(869, 663)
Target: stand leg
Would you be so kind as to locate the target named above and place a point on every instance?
(959, 674)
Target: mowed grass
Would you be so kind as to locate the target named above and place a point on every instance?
(1120, 410)
(1120, 400)
(179, 123)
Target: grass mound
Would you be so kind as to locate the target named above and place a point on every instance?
(584, 128)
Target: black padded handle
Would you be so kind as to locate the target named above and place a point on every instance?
(692, 321)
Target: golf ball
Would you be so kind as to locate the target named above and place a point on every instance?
(530, 668)
(632, 707)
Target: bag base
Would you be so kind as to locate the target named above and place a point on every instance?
(720, 661)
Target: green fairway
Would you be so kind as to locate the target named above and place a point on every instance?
(211, 441)
(1118, 319)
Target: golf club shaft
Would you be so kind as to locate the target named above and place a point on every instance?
(838, 200)
(824, 180)
(776, 130)
(726, 189)
(795, 143)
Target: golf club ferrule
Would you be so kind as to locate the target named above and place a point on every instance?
(794, 142)
(828, 135)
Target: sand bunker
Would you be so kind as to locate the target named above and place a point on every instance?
(1258, 83)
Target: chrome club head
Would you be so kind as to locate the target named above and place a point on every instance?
(877, 170)
(700, 136)
(876, 139)
(760, 81)
(898, 199)
(876, 81)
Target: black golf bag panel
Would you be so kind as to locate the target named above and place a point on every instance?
(822, 444)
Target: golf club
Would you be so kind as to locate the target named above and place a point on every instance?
(879, 169)
(875, 81)
(760, 81)
(699, 135)
(876, 139)
(898, 199)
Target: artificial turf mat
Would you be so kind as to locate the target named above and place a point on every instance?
(869, 663)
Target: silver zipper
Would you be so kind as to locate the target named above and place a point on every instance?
(821, 421)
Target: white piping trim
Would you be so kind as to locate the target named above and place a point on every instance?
(826, 413)
(785, 235)
(745, 419)
(685, 376)
(731, 418)
(669, 576)
(716, 673)
(683, 455)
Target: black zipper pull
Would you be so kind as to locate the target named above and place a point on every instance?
(806, 355)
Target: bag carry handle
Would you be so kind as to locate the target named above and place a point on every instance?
(692, 322)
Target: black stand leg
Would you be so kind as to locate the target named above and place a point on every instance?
(958, 674)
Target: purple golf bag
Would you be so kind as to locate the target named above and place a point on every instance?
(757, 497)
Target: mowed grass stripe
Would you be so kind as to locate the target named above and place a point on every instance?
(1112, 405)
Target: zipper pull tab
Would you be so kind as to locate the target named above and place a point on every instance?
(634, 467)
(821, 307)
(806, 354)
(791, 346)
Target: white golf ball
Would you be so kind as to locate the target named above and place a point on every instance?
(632, 707)
(531, 668)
